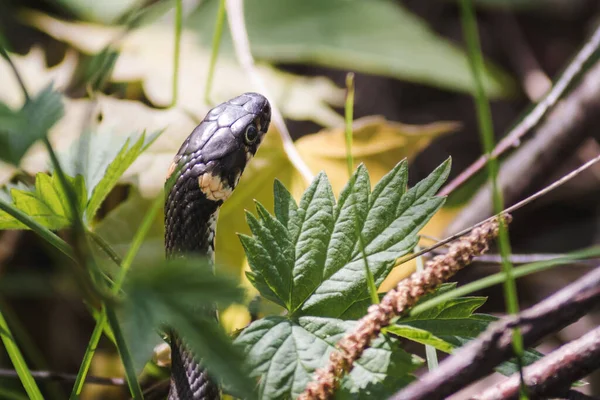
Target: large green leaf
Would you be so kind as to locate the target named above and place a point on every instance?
(20, 129)
(371, 36)
(285, 354)
(46, 203)
(171, 293)
(307, 259)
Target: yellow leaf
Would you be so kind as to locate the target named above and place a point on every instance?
(378, 143)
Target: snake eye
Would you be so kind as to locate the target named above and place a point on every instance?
(251, 134)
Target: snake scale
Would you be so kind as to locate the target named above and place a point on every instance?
(203, 175)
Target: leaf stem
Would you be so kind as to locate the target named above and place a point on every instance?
(349, 117)
(177, 50)
(486, 131)
(216, 44)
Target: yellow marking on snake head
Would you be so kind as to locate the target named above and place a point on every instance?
(172, 169)
(213, 187)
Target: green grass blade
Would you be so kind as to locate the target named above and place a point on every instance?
(88, 356)
(18, 361)
(486, 132)
(132, 382)
(216, 44)
(349, 117)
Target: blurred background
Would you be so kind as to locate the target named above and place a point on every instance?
(113, 61)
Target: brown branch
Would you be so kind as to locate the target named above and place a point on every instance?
(565, 128)
(507, 211)
(478, 358)
(554, 374)
(397, 302)
(513, 138)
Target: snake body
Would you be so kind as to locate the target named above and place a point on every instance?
(202, 176)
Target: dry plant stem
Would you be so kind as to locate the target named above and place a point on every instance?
(61, 376)
(397, 302)
(479, 357)
(554, 374)
(513, 138)
(566, 127)
(239, 35)
(534, 81)
(508, 210)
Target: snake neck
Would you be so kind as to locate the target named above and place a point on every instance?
(190, 226)
(190, 222)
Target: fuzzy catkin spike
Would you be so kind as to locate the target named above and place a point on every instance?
(397, 302)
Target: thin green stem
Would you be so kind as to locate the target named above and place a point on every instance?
(500, 277)
(86, 362)
(216, 45)
(486, 131)
(430, 351)
(18, 361)
(138, 239)
(349, 117)
(132, 382)
(105, 247)
(177, 50)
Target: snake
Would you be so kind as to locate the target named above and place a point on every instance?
(203, 175)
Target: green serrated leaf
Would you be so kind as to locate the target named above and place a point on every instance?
(320, 244)
(46, 203)
(285, 354)
(273, 237)
(285, 206)
(310, 232)
(20, 129)
(393, 220)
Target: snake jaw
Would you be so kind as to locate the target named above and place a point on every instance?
(215, 188)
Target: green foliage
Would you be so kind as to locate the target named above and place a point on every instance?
(20, 129)
(100, 161)
(46, 202)
(306, 258)
(374, 37)
(286, 352)
(170, 293)
(18, 361)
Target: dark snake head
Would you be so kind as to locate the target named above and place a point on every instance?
(217, 151)
(207, 169)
